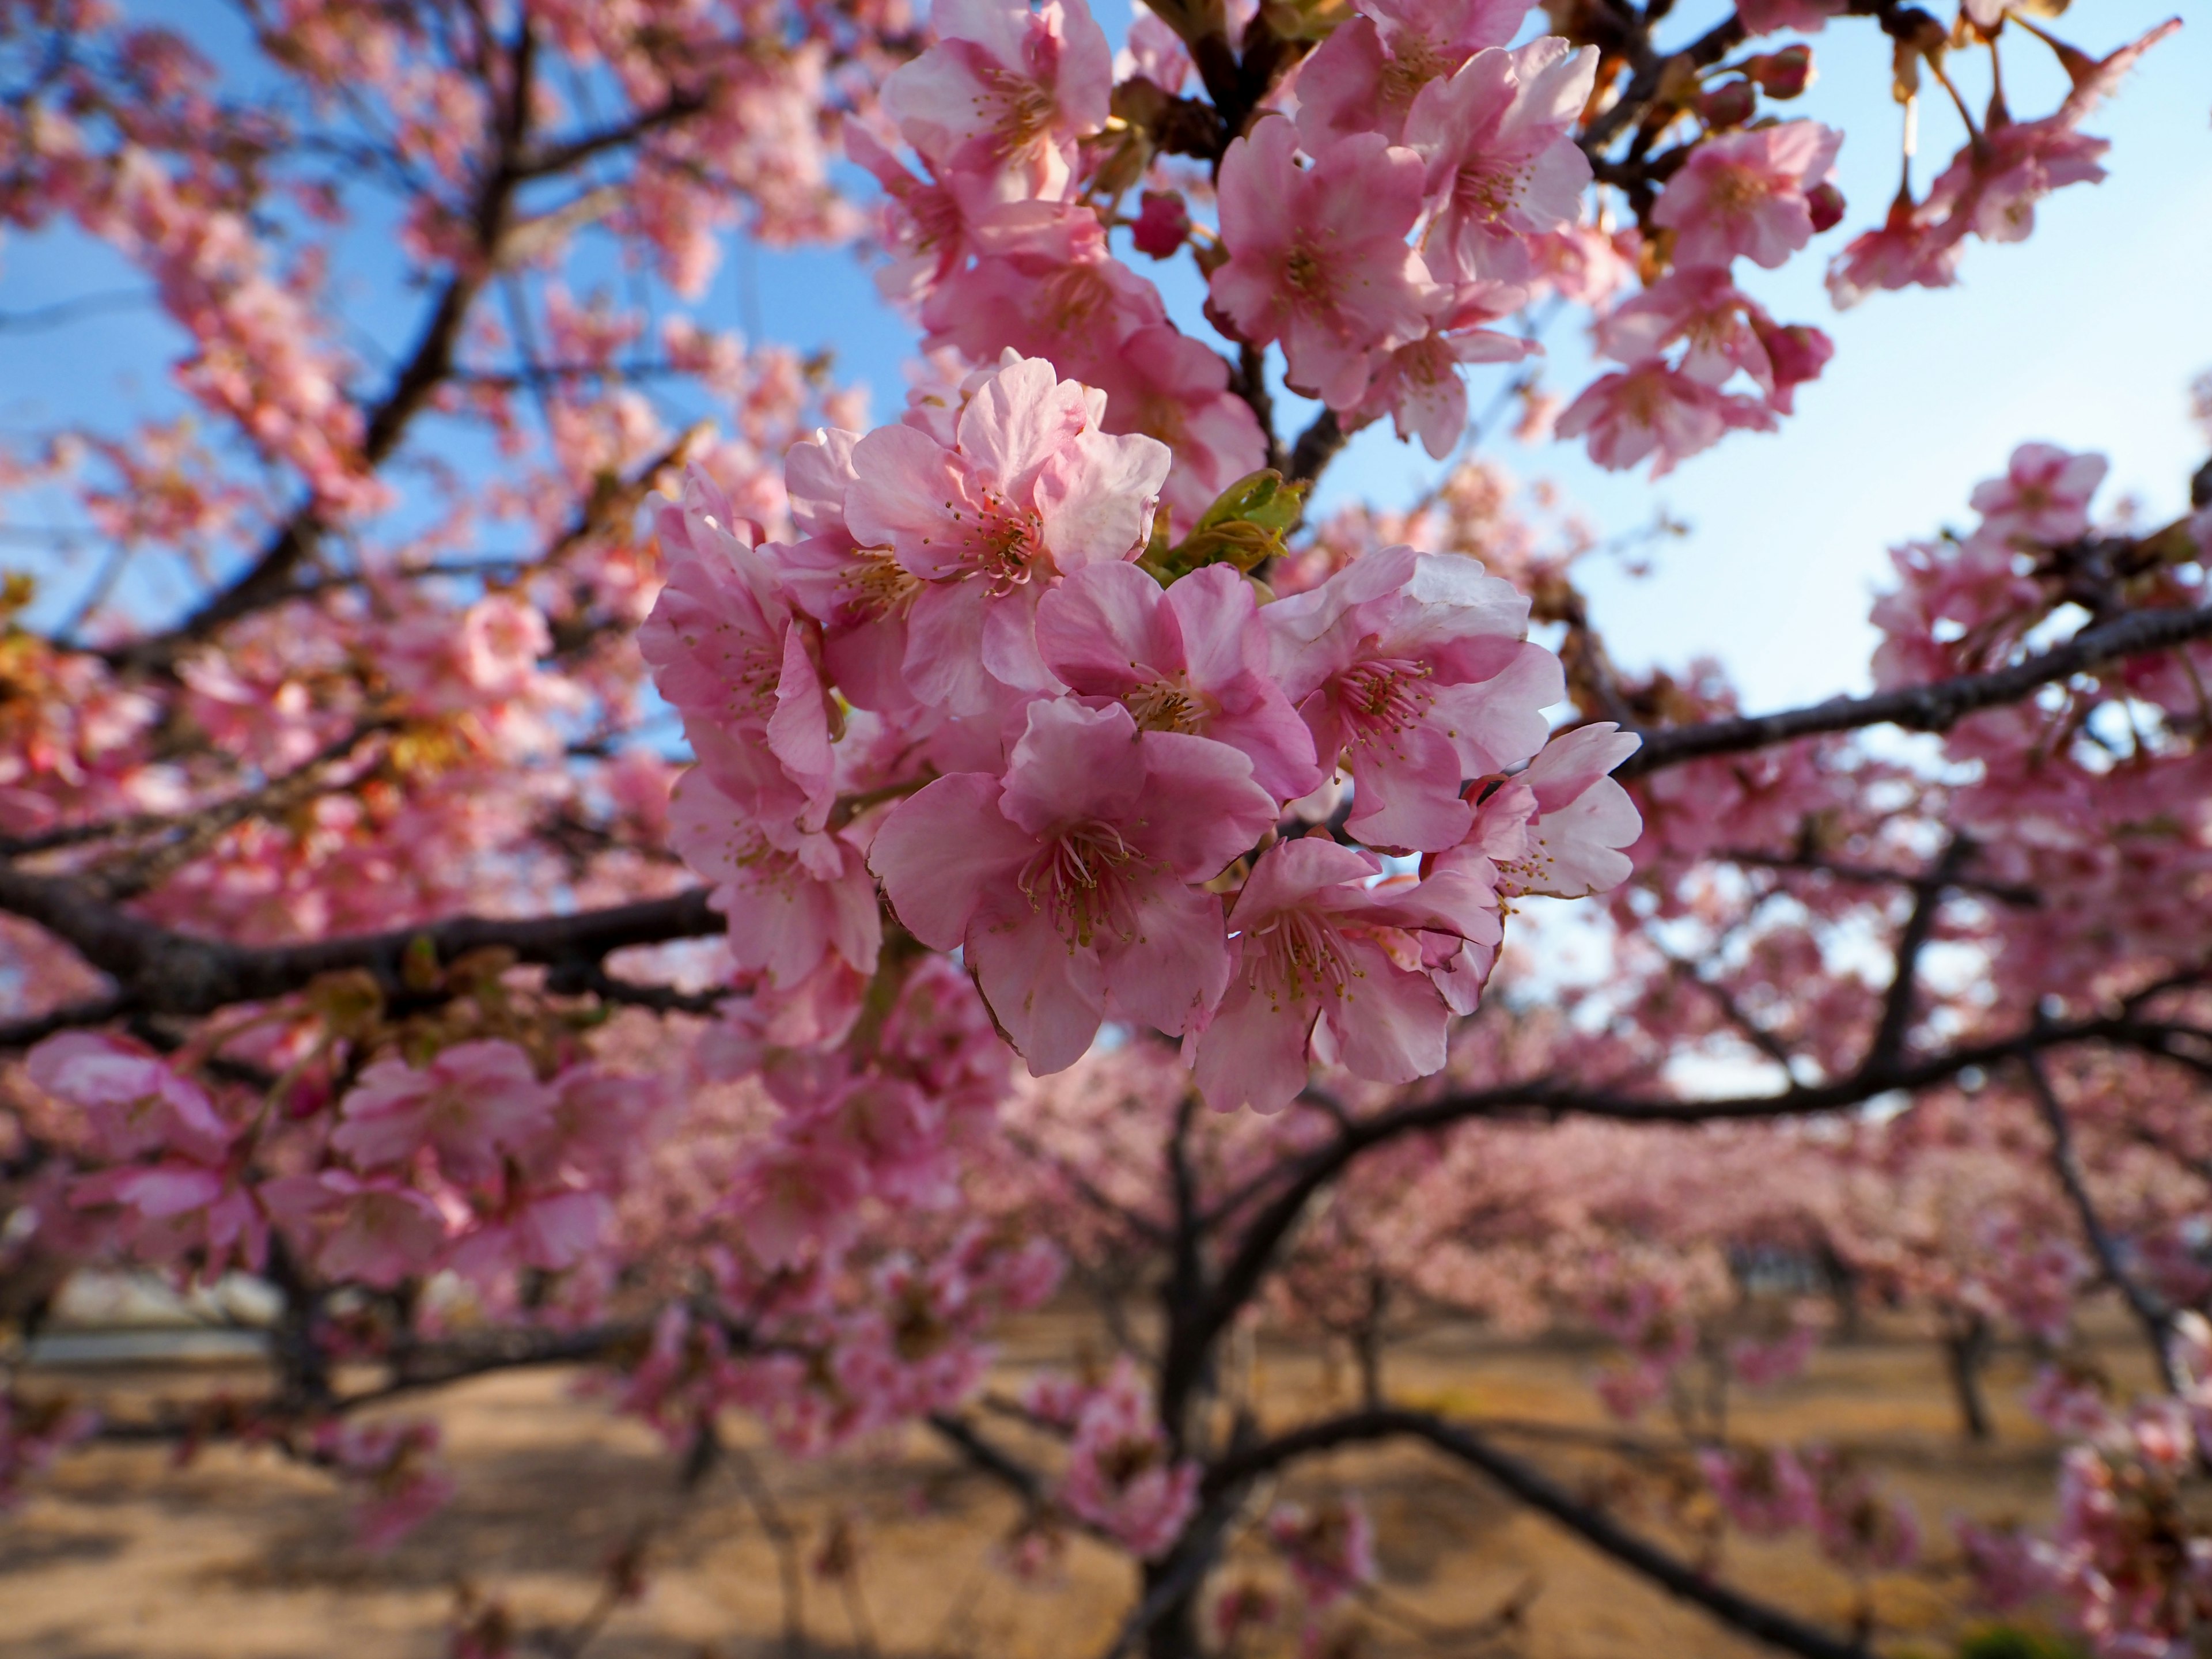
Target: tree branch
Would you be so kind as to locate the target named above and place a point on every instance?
(2155, 1318)
(159, 970)
(1887, 1046)
(1933, 708)
(1756, 1619)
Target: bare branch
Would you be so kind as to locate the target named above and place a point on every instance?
(2153, 1315)
(1933, 708)
(1887, 1046)
(1754, 1617)
(162, 971)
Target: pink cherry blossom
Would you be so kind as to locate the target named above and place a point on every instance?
(1317, 257)
(1420, 384)
(1329, 963)
(786, 914)
(1412, 671)
(1067, 883)
(1912, 248)
(1044, 285)
(1500, 163)
(133, 1102)
(1120, 1476)
(1768, 16)
(376, 1229)
(1657, 410)
(1029, 488)
(1363, 78)
(1764, 1493)
(2043, 497)
(473, 1102)
(1192, 659)
(1575, 819)
(1005, 90)
(1162, 383)
(1330, 1548)
(1745, 193)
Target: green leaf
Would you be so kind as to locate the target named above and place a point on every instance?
(1244, 526)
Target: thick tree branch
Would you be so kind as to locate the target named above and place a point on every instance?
(159, 971)
(1754, 1617)
(1933, 708)
(1317, 447)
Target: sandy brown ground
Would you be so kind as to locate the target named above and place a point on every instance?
(119, 1556)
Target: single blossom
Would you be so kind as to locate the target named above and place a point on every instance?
(375, 1229)
(1330, 963)
(1120, 1475)
(2044, 495)
(473, 1102)
(1411, 671)
(133, 1101)
(1500, 161)
(1007, 92)
(785, 915)
(1748, 194)
(1558, 827)
(1192, 659)
(1044, 285)
(1317, 256)
(1419, 383)
(727, 650)
(1030, 488)
(1658, 411)
(1162, 383)
(1069, 882)
(1768, 16)
(1912, 248)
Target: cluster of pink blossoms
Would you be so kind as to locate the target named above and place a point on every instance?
(958, 683)
(471, 1161)
(2127, 1558)
(1121, 1475)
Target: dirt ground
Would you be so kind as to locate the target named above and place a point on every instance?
(118, 1555)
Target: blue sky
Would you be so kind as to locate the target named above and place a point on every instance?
(2085, 335)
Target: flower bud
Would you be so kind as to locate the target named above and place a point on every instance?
(1826, 203)
(1783, 74)
(1728, 105)
(1163, 223)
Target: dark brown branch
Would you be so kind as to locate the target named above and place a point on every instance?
(1875, 876)
(1549, 1098)
(161, 971)
(1887, 1046)
(1933, 708)
(36, 1028)
(1754, 1617)
(1317, 447)
(2155, 1318)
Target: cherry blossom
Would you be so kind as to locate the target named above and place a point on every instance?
(1068, 882)
(1500, 163)
(1412, 673)
(1746, 194)
(1317, 258)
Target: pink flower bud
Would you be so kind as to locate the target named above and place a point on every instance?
(1163, 223)
(1783, 74)
(1826, 202)
(1729, 105)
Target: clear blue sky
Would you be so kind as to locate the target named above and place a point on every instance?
(2087, 335)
